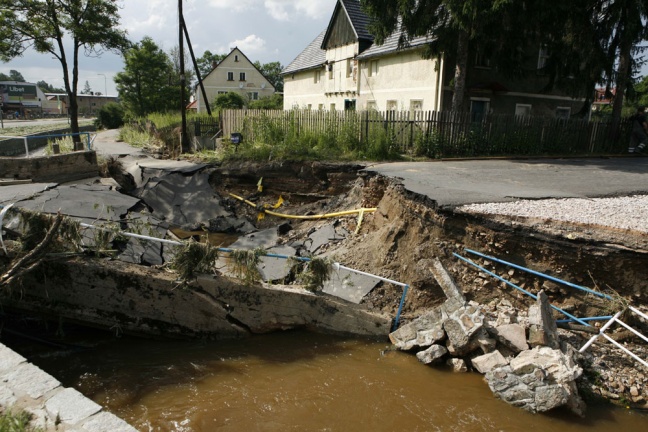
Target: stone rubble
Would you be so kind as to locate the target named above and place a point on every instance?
(536, 379)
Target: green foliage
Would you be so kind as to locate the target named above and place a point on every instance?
(316, 273)
(229, 100)
(144, 86)
(136, 137)
(245, 264)
(272, 72)
(11, 421)
(110, 116)
(65, 144)
(48, 88)
(14, 75)
(193, 258)
(274, 102)
(207, 62)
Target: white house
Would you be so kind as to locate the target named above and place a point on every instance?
(235, 73)
(344, 69)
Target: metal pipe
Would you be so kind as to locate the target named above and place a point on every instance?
(551, 278)
(597, 318)
(400, 308)
(626, 350)
(533, 296)
(605, 327)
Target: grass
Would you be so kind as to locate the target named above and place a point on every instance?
(28, 130)
(194, 258)
(11, 421)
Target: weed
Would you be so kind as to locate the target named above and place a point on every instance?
(245, 264)
(193, 258)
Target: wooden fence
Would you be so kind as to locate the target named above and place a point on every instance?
(429, 133)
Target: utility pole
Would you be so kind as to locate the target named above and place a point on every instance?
(184, 139)
(105, 84)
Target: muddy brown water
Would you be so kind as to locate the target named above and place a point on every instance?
(294, 381)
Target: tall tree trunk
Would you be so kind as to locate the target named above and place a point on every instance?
(460, 72)
(625, 53)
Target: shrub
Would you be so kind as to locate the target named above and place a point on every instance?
(110, 116)
(230, 100)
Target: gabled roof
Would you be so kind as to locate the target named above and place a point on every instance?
(228, 56)
(312, 57)
(391, 44)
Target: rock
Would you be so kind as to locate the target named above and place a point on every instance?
(487, 362)
(458, 365)
(542, 326)
(511, 335)
(432, 354)
(422, 332)
(460, 326)
(454, 294)
(538, 380)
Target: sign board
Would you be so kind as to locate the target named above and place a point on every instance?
(18, 93)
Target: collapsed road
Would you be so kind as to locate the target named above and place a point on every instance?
(420, 217)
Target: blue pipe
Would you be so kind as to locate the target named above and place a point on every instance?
(597, 318)
(551, 278)
(400, 308)
(533, 296)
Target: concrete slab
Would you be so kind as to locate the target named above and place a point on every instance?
(107, 422)
(13, 193)
(71, 406)
(276, 269)
(349, 286)
(266, 239)
(324, 235)
(29, 379)
(9, 359)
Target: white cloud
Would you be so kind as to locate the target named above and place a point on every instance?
(286, 10)
(233, 5)
(251, 43)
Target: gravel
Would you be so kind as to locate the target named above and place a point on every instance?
(629, 213)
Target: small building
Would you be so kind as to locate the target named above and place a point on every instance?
(235, 73)
(21, 99)
(89, 104)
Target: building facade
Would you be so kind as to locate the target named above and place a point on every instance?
(344, 69)
(235, 73)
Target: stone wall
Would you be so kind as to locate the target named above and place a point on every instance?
(146, 301)
(56, 168)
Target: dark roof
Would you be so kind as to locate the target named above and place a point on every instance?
(391, 44)
(312, 57)
(358, 18)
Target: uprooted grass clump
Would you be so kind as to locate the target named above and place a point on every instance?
(193, 258)
(316, 273)
(245, 264)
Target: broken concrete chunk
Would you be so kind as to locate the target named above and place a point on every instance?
(512, 336)
(452, 292)
(487, 362)
(460, 326)
(538, 380)
(422, 332)
(542, 326)
(432, 354)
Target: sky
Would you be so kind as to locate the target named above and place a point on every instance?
(265, 30)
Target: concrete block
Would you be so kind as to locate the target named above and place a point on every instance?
(9, 359)
(29, 379)
(107, 422)
(71, 406)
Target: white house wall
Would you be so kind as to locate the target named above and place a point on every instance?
(216, 81)
(405, 79)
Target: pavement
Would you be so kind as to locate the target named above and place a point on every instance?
(454, 183)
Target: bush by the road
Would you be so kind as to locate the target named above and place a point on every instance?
(110, 116)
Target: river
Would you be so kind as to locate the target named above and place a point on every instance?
(290, 381)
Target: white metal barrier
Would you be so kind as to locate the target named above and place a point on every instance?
(24, 138)
(615, 319)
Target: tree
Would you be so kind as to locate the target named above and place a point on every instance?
(47, 88)
(190, 74)
(272, 72)
(86, 89)
(146, 84)
(61, 28)
(230, 100)
(269, 102)
(14, 75)
(208, 61)
(110, 116)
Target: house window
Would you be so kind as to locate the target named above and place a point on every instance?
(309, 106)
(482, 61)
(373, 68)
(371, 105)
(253, 95)
(563, 113)
(235, 58)
(329, 68)
(332, 107)
(349, 68)
(242, 76)
(479, 108)
(317, 77)
(416, 105)
(230, 76)
(523, 110)
(222, 92)
(543, 55)
(320, 107)
(392, 105)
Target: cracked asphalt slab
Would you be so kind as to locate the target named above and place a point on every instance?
(455, 183)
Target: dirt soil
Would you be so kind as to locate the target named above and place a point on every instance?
(399, 240)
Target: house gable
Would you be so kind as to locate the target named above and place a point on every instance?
(348, 25)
